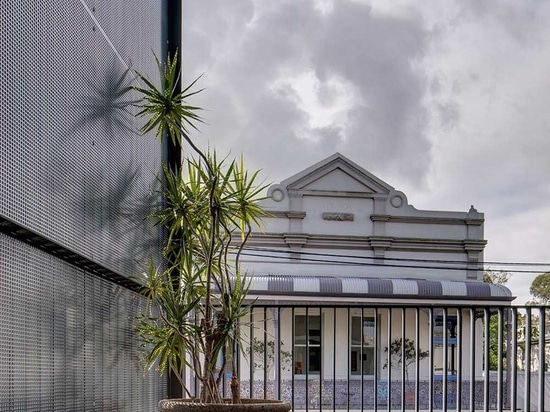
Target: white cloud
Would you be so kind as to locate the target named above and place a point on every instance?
(326, 102)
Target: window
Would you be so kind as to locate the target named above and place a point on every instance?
(362, 345)
(445, 325)
(307, 344)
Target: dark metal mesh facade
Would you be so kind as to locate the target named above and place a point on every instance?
(75, 169)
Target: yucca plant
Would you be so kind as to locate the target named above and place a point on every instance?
(197, 296)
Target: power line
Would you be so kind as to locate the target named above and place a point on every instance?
(399, 259)
(329, 258)
(348, 263)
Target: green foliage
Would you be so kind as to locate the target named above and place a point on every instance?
(197, 295)
(164, 106)
(540, 288)
(494, 357)
(396, 358)
(496, 278)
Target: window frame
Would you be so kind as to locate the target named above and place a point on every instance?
(302, 364)
(361, 349)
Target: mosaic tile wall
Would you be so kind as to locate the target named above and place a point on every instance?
(341, 394)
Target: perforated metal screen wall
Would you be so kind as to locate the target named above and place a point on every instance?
(74, 165)
(66, 338)
(75, 169)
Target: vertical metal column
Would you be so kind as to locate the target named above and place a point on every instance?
(528, 337)
(542, 360)
(173, 152)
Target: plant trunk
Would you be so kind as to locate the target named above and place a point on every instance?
(210, 392)
(235, 389)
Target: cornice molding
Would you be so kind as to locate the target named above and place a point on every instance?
(390, 243)
(427, 220)
(336, 193)
(289, 214)
(286, 214)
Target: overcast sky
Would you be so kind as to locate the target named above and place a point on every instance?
(447, 101)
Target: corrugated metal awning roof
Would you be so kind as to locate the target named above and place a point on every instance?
(266, 286)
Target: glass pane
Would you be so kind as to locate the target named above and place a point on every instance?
(438, 329)
(300, 330)
(363, 360)
(299, 360)
(356, 331)
(368, 332)
(354, 361)
(315, 359)
(315, 330)
(438, 360)
(368, 361)
(314, 322)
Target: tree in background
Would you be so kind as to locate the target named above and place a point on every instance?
(496, 278)
(540, 289)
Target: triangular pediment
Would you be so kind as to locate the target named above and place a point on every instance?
(336, 173)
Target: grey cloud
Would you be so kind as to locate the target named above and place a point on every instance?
(211, 30)
(426, 103)
(275, 143)
(376, 54)
(449, 114)
(373, 53)
(518, 20)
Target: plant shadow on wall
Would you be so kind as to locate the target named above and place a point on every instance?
(197, 294)
(95, 197)
(97, 178)
(117, 196)
(108, 104)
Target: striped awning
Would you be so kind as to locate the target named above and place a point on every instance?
(265, 286)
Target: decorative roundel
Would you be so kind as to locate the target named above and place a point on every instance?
(397, 201)
(277, 195)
